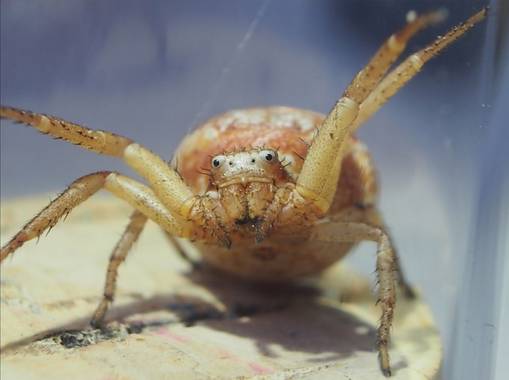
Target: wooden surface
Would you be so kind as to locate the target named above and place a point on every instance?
(170, 322)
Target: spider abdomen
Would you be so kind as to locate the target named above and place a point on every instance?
(287, 252)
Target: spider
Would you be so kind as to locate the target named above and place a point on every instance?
(266, 194)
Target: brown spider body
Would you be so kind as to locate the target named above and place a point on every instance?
(287, 251)
(267, 194)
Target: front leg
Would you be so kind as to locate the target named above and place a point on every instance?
(209, 217)
(166, 183)
(386, 268)
(319, 176)
(321, 170)
(136, 194)
(406, 70)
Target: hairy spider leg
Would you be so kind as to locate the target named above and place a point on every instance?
(131, 234)
(399, 76)
(372, 216)
(321, 171)
(166, 182)
(318, 179)
(136, 194)
(386, 266)
(181, 250)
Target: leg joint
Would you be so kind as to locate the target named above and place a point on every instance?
(108, 296)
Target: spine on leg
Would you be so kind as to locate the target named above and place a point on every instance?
(76, 193)
(97, 141)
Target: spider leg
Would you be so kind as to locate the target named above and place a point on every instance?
(386, 264)
(389, 52)
(166, 182)
(129, 237)
(181, 250)
(136, 194)
(398, 77)
(373, 217)
(320, 172)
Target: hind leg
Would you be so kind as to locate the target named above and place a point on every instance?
(118, 256)
(386, 264)
(371, 216)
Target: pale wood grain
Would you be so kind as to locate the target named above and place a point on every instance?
(239, 331)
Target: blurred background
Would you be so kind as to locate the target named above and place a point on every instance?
(154, 70)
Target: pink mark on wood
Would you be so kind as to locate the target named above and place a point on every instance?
(258, 369)
(166, 333)
(225, 354)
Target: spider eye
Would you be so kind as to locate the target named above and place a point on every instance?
(268, 155)
(217, 161)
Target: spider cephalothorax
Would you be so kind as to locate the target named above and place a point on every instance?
(245, 184)
(246, 194)
(251, 215)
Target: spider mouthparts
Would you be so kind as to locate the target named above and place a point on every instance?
(244, 221)
(226, 242)
(254, 224)
(260, 233)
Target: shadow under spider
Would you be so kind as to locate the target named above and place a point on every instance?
(288, 316)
